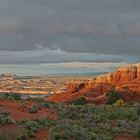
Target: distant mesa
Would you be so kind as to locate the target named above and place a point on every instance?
(8, 76)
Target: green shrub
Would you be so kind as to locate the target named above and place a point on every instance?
(37, 100)
(79, 101)
(138, 134)
(17, 134)
(34, 109)
(46, 104)
(45, 122)
(68, 129)
(12, 96)
(5, 118)
(22, 122)
(120, 103)
(23, 135)
(113, 95)
(102, 122)
(138, 111)
(8, 136)
(31, 127)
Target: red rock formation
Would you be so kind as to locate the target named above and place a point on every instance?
(73, 88)
(122, 75)
(126, 79)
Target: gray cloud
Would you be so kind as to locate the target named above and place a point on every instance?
(107, 28)
(42, 55)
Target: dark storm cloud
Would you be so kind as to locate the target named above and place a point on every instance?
(104, 27)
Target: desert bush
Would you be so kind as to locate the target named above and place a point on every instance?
(138, 110)
(46, 104)
(79, 101)
(29, 127)
(15, 134)
(45, 122)
(5, 118)
(37, 100)
(59, 107)
(12, 96)
(120, 103)
(103, 122)
(8, 136)
(22, 122)
(22, 135)
(138, 134)
(113, 95)
(68, 129)
(77, 112)
(34, 108)
(97, 113)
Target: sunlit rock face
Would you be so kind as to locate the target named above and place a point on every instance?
(126, 74)
(122, 75)
(126, 79)
(138, 71)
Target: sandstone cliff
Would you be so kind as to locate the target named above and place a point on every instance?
(126, 79)
(122, 75)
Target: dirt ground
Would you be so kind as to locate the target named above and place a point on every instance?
(19, 111)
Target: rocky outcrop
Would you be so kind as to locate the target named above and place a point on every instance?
(73, 87)
(122, 75)
(125, 74)
(126, 79)
(138, 71)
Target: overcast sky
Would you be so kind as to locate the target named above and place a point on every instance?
(42, 31)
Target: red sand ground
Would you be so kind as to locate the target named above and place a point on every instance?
(8, 128)
(19, 111)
